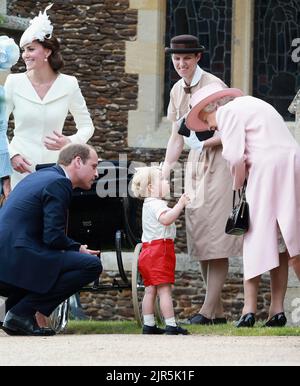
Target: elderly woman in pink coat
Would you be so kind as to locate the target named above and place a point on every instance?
(260, 148)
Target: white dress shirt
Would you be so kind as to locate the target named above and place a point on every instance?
(152, 228)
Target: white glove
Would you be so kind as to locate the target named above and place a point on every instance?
(193, 142)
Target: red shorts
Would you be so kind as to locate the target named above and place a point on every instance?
(157, 262)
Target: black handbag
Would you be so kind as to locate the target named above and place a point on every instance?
(238, 221)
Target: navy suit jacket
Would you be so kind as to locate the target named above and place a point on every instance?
(32, 230)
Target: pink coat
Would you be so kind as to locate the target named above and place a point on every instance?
(258, 144)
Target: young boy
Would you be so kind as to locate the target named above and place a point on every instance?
(157, 259)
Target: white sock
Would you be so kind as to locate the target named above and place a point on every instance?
(149, 320)
(171, 322)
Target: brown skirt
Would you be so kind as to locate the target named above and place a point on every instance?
(209, 185)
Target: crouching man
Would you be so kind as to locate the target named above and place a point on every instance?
(40, 266)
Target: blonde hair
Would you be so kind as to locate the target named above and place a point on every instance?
(142, 178)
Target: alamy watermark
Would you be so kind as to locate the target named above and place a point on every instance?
(115, 178)
(296, 51)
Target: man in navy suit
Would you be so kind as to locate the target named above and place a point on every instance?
(39, 265)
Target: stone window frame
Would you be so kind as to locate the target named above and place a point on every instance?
(14, 23)
(147, 127)
(10, 24)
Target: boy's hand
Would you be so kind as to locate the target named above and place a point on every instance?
(184, 200)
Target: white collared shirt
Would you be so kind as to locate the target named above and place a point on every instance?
(152, 228)
(196, 78)
(67, 175)
(192, 141)
(180, 101)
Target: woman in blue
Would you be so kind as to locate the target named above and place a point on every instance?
(9, 55)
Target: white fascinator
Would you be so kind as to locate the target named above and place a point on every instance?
(40, 28)
(9, 53)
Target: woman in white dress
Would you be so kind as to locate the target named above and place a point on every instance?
(40, 100)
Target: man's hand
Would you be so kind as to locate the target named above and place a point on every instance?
(56, 141)
(20, 164)
(84, 249)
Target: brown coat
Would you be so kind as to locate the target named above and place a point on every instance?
(209, 184)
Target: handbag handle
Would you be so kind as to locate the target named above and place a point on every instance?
(241, 193)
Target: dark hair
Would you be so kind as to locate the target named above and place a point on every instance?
(73, 150)
(55, 59)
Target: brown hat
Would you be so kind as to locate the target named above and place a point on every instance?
(184, 44)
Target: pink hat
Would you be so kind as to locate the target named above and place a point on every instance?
(202, 98)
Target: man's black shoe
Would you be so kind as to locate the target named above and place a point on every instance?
(11, 332)
(20, 325)
(152, 330)
(8, 332)
(171, 330)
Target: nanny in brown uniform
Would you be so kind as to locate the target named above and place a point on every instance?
(207, 180)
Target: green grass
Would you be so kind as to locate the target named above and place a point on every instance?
(131, 327)
(107, 327)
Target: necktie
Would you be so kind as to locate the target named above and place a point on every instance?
(188, 89)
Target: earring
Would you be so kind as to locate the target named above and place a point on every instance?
(46, 59)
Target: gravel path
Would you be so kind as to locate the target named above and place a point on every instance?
(135, 350)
